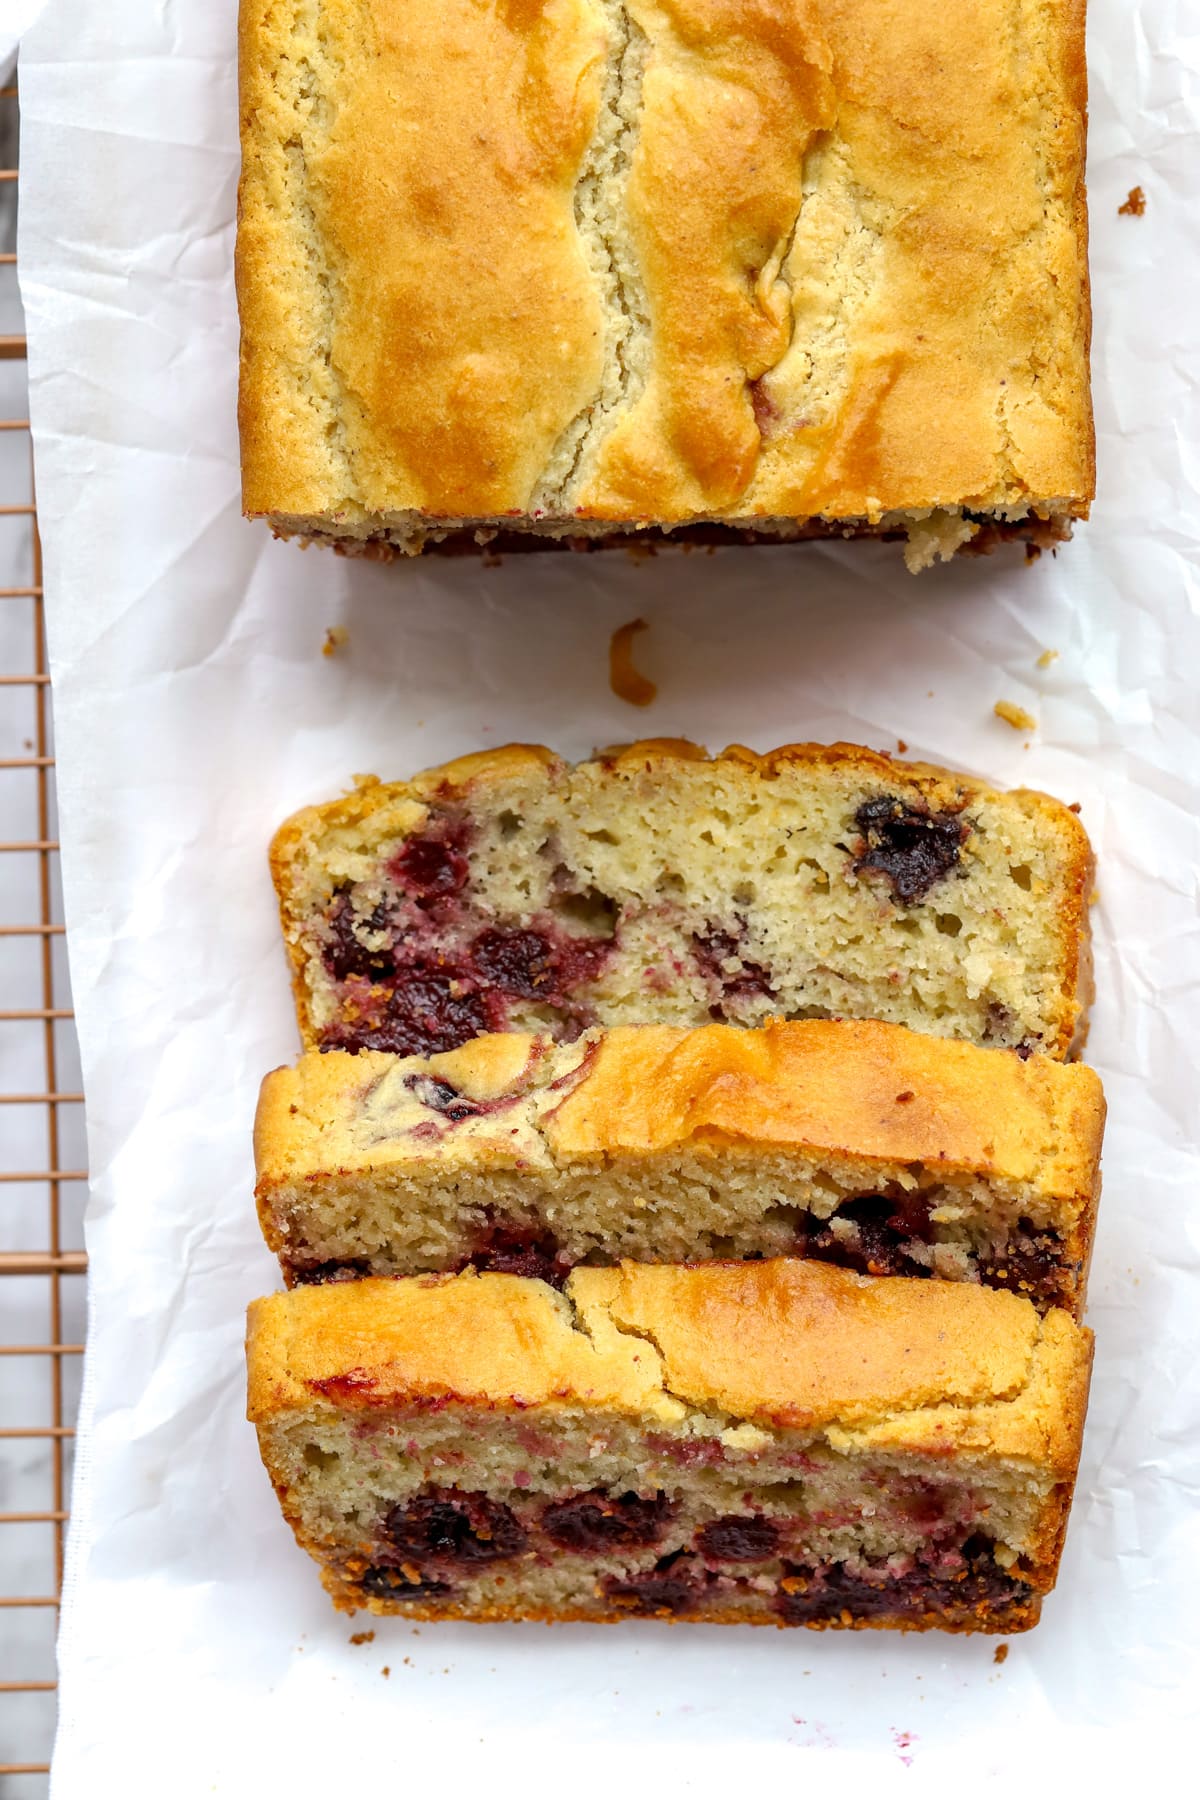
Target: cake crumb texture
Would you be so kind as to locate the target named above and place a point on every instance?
(657, 885)
(1015, 715)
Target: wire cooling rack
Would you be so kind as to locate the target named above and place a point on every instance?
(42, 1177)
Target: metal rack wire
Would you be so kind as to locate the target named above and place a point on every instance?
(42, 1180)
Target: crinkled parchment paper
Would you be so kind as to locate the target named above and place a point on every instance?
(195, 709)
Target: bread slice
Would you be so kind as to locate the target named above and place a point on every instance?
(654, 885)
(777, 1442)
(855, 1142)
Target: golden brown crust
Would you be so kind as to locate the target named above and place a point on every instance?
(877, 1092)
(999, 160)
(491, 1341)
(927, 1367)
(733, 96)
(1073, 49)
(888, 1363)
(281, 387)
(872, 1090)
(1001, 1620)
(379, 811)
(669, 260)
(422, 156)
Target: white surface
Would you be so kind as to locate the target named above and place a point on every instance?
(16, 17)
(194, 710)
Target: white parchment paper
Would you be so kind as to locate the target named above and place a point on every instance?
(194, 710)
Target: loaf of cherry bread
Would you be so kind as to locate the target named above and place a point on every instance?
(590, 269)
(655, 885)
(854, 1142)
(775, 1442)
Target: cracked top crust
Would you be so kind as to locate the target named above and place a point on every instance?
(419, 323)
(879, 1093)
(872, 1363)
(663, 261)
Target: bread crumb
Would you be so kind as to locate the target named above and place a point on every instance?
(1016, 716)
(901, 746)
(626, 683)
(385, 1670)
(335, 637)
(362, 1637)
(932, 539)
(1135, 206)
(1046, 658)
(1000, 1654)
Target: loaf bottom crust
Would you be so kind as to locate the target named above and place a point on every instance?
(988, 534)
(994, 1622)
(806, 1599)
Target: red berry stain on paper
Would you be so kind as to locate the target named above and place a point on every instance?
(819, 1736)
(904, 1741)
